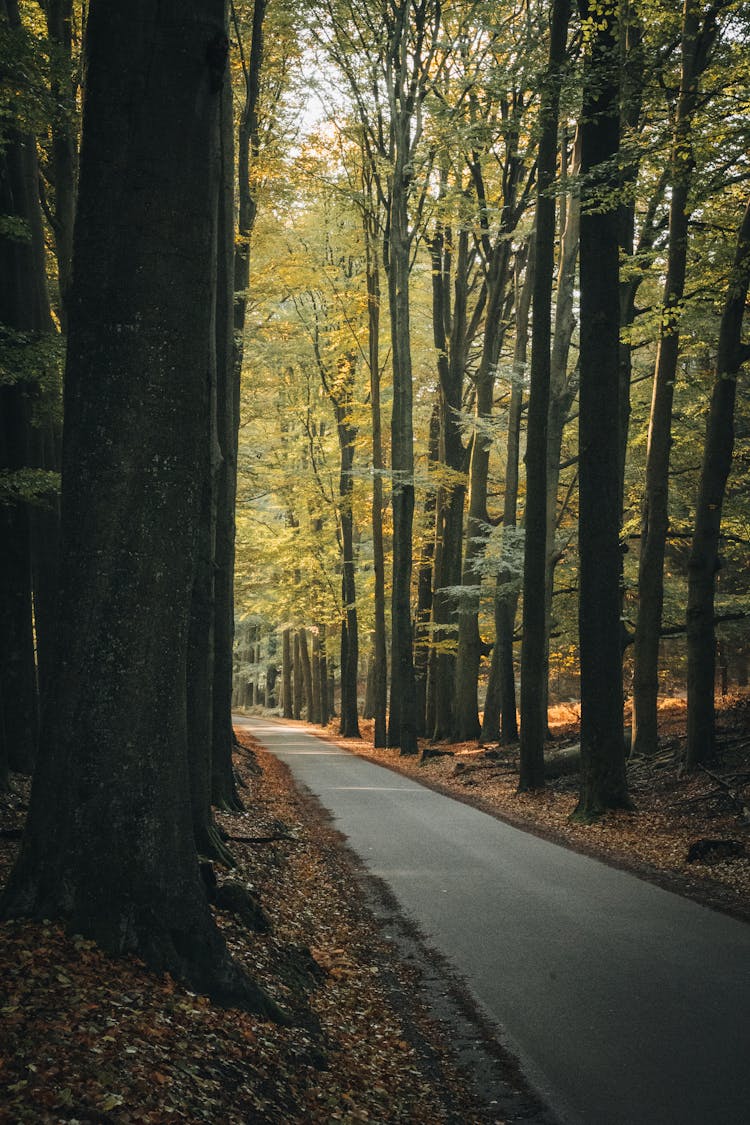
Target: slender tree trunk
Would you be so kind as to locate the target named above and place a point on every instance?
(500, 720)
(316, 713)
(64, 149)
(533, 652)
(563, 387)
(603, 780)
(228, 364)
(286, 674)
(655, 511)
(109, 845)
(424, 586)
(704, 555)
(326, 707)
(470, 647)
(402, 719)
(307, 676)
(296, 678)
(25, 317)
(379, 653)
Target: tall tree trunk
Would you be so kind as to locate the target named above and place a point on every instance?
(533, 652)
(25, 318)
(697, 39)
(470, 646)
(603, 780)
(424, 585)
(379, 653)
(306, 675)
(563, 387)
(704, 555)
(500, 721)
(64, 148)
(108, 845)
(449, 321)
(296, 677)
(286, 674)
(316, 711)
(224, 792)
(223, 786)
(402, 719)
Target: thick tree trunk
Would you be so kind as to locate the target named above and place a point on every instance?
(109, 845)
(704, 555)
(534, 645)
(603, 780)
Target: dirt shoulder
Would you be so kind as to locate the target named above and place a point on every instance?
(672, 812)
(382, 1032)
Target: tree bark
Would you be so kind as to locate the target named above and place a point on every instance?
(286, 674)
(108, 846)
(307, 676)
(26, 320)
(500, 721)
(379, 665)
(697, 39)
(603, 780)
(534, 645)
(704, 560)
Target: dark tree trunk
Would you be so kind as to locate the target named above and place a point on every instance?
(326, 705)
(402, 719)
(64, 148)
(296, 678)
(534, 648)
(307, 676)
(696, 44)
(379, 659)
(286, 674)
(449, 328)
(603, 780)
(109, 845)
(704, 555)
(316, 710)
(424, 587)
(224, 450)
(469, 650)
(500, 721)
(25, 320)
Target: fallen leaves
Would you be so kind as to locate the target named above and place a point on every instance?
(86, 1038)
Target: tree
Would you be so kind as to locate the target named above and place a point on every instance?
(704, 562)
(698, 35)
(109, 846)
(533, 652)
(26, 358)
(603, 780)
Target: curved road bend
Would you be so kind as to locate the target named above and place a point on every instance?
(626, 1004)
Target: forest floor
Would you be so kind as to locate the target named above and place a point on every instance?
(381, 1029)
(673, 812)
(84, 1038)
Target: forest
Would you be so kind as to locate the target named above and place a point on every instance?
(374, 360)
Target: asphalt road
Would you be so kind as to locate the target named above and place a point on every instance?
(625, 1004)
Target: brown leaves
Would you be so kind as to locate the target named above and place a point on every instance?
(92, 1039)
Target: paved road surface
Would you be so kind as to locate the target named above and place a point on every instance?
(626, 1005)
